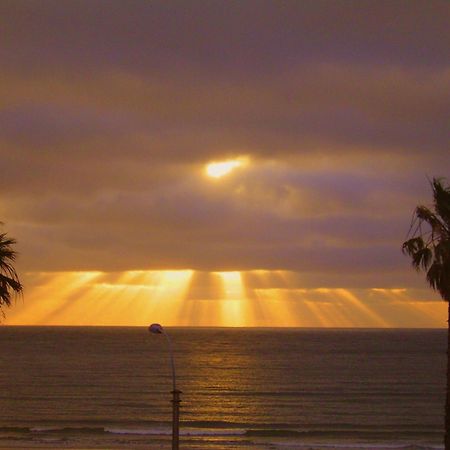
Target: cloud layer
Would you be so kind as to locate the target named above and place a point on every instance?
(111, 110)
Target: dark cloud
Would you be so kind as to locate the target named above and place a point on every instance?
(110, 111)
(247, 36)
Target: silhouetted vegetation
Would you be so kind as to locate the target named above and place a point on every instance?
(10, 284)
(429, 248)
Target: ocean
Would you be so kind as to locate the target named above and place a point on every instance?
(312, 389)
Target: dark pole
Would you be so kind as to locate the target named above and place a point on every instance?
(175, 418)
(447, 402)
(156, 328)
(175, 400)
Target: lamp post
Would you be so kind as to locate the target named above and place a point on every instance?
(156, 328)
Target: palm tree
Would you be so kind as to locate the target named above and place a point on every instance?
(9, 280)
(429, 248)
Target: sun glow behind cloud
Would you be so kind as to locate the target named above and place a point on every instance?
(312, 168)
(218, 169)
(189, 298)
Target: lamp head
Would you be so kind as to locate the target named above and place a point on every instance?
(156, 328)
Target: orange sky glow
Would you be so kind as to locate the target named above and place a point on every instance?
(200, 163)
(230, 299)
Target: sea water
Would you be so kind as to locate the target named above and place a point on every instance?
(109, 388)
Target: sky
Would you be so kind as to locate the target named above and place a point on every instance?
(221, 162)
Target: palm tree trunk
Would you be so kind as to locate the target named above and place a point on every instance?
(447, 402)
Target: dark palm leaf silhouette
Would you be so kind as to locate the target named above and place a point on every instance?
(429, 248)
(9, 280)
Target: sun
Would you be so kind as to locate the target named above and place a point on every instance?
(218, 169)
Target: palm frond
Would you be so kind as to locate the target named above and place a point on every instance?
(441, 196)
(413, 245)
(8, 284)
(429, 242)
(424, 214)
(9, 280)
(422, 259)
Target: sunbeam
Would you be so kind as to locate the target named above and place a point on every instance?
(200, 298)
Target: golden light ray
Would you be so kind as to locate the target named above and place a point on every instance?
(53, 293)
(434, 310)
(426, 313)
(320, 307)
(96, 298)
(259, 312)
(200, 305)
(172, 291)
(266, 294)
(328, 314)
(357, 305)
(276, 304)
(145, 296)
(185, 297)
(233, 308)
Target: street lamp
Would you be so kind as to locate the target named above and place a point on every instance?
(156, 328)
